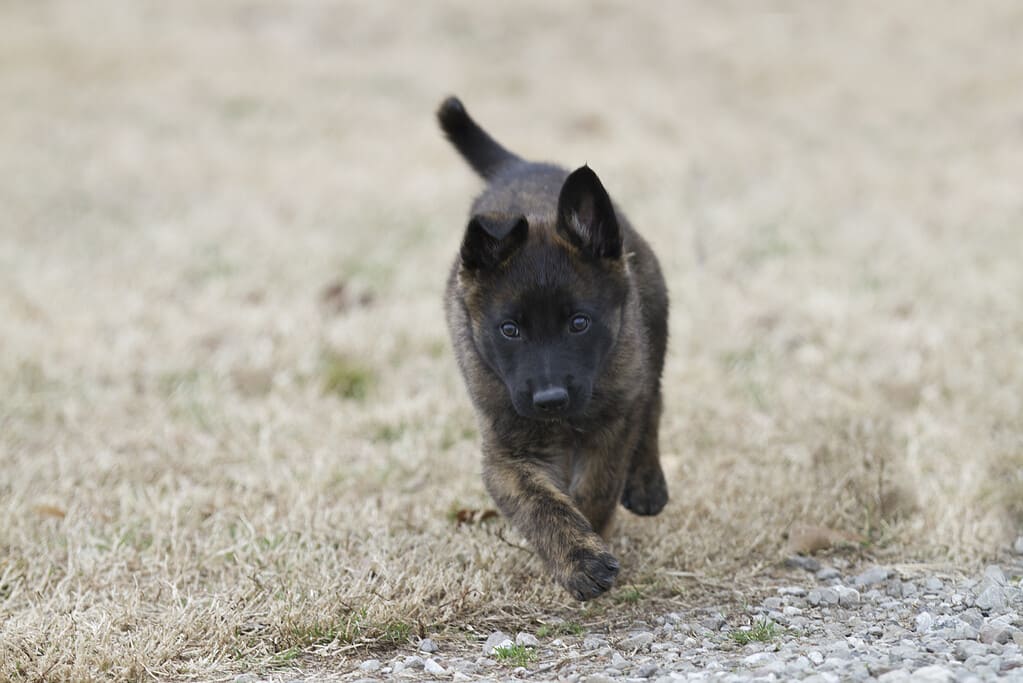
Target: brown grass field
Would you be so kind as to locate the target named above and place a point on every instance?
(232, 434)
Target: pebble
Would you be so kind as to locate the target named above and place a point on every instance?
(872, 576)
(432, 667)
(368, 665)
(637, 641)
(646, 670)
(427, 645)
(1018, 545)
(964, 649)
(526, 640)
(828, 573)
(495, 640)
(924, 622)
(991, 598)
(933, 674)
(995, 631)
(804, 562)
(847, 597)
(825, 596)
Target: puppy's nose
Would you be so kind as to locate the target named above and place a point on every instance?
(551, 398)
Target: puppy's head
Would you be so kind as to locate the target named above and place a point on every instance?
(545, 299)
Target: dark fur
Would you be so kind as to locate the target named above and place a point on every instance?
(568, 416)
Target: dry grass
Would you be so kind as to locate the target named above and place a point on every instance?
(231, 432)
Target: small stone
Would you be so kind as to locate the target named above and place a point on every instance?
(773, 604)
(937, 646)
(933, 674)
(618, 662)
(430, 666)
(924, 622)
(592, 643)
(414, 662)
(794, 591)
(637, 641)
(1018, 545)
(815, 657)
(896, 676)
(933, 584)
(646, 670)
(459, 676)
(759, 658)
(991, 598)
(828, 574)
(823, 596)
(994, 574)
(246, 678)
(714, 622)
(526, 640)
(973, 617)
(495, 640)
(964, 649)
(873, 576)
(847, 597)
(368, 665)
(598, 678)
(803, 562)
(996, 631)
(427, 645)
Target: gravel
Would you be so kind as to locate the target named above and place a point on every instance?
(823, 624)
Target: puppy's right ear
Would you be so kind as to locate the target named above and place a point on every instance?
(492, 238)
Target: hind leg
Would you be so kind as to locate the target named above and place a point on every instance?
(646, 491)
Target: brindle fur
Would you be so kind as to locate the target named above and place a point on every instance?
(534, 239)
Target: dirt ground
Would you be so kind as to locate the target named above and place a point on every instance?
(232, 434)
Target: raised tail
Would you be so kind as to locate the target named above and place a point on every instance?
(482, 152)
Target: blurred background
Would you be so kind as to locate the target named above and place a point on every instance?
(224, 232)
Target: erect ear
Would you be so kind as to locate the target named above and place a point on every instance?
(586, 217)
(491, 238)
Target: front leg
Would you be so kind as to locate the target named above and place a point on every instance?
(646, 491)
(526, 492)
(598, 480)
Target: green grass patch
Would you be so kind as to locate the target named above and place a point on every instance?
(514, 655)
(628, 595)
(762, 631)
(397, 631)
(563, 628)
(345, 377)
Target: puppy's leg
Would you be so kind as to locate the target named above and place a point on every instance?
(598, 479)
(646, 491)
(526, 491)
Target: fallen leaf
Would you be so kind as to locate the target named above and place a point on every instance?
(470, 516)
(50, 511)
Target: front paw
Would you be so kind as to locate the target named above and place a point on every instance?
(646, 492)
(592, 573)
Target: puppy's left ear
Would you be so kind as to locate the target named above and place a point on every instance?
(586, 217)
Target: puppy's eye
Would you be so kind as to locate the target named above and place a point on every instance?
(579, 323)
(510, 329)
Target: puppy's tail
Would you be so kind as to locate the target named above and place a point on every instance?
(482, 152)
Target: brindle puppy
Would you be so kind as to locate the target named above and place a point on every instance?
(559, 318)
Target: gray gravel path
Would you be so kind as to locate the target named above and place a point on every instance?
(885, 623)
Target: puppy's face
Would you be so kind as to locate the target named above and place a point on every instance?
(546, 300)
